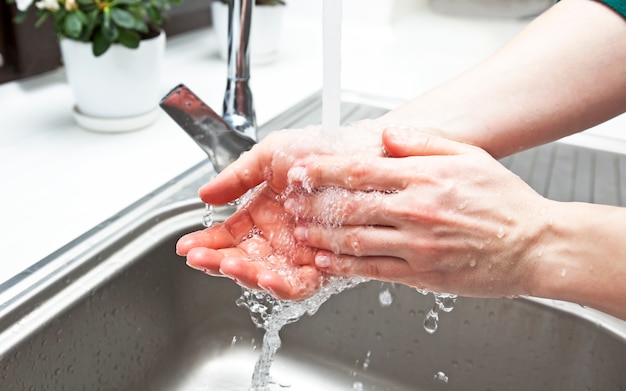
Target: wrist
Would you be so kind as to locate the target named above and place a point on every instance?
(583, 259)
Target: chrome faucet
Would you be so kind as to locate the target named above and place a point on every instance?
(222, 138)
(238, 105)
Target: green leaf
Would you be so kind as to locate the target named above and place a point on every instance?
(81, 15)
(101, 44)
(92, 19)
(109, 29)
(122, 18)
(129, 38)
(140, 26)
(155, 16)
(72, 25)
(41, 20)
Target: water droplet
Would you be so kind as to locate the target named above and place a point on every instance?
(441, 377)
(431, 323)
(368, 358)
(236, 202)
(357, 386)
(445, 301)
(207, 218)
(385, 298)
(472, 263)
(563, 272)
(500, 234)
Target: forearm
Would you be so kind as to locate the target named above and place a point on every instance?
(564, 73)
(581, 257)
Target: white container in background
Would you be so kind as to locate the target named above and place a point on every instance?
(265, 31)
(119, 90)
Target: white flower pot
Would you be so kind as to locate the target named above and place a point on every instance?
(265, 31)
(118, 91)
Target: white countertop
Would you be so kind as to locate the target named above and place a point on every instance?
(59, 180)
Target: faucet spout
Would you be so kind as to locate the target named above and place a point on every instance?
(213, 134)
(222, 138)
(238, 104)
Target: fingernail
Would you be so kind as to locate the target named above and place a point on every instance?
(301, 233)
(297, 174)
(228, 276)
(322, 260)
(200, 268)
(267, 289)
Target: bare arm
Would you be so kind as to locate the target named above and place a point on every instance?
(585, 258)
(562, 74)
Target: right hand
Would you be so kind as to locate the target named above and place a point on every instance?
(270, 159)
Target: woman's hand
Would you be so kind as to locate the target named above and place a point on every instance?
(270, 159)
(442, 216)
(255, 247)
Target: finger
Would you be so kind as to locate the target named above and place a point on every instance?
(210, 260)
(207, 260)
(214, 237)
(299, 284)
(333, 207)
(244, 273)
(378, 268)
(237, 178)
(352, 240)
(349, 172)
(403, 142)
(302, 284)
(221, 235)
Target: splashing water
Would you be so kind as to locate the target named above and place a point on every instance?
(443, 302)
(271, 314)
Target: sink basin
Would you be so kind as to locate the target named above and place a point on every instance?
(117, 310)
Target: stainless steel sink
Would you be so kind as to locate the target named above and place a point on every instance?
(118, 310)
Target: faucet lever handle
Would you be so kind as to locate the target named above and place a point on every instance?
(216, 137)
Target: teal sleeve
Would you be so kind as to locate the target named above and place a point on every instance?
(618, 5)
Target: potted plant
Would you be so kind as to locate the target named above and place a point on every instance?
(265, 29)
(113, 54)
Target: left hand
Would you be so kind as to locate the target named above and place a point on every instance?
(255, 247)
(451, 219)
